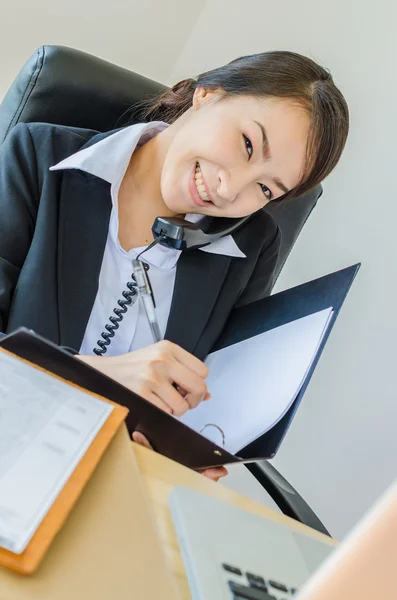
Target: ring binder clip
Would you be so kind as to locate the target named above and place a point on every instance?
(218, 428)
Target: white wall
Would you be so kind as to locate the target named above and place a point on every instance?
(341, 449)
(143, 35)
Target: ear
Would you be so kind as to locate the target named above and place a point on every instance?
(202, 96)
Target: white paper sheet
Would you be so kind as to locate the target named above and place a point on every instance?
(46, 426)
(253, 383)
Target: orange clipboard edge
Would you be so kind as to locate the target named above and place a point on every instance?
(28, 561)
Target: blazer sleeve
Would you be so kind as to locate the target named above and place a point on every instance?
(264, 274)
(19, 199)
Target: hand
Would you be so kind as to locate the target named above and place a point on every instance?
(157, 373)
(215, 473)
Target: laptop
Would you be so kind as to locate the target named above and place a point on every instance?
(232, 554)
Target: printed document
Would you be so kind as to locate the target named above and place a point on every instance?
(46, 426)
(254, 383)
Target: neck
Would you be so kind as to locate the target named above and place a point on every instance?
(140, 199)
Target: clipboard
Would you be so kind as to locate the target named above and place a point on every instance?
(28, 561)
(167, 435)
(277, 310)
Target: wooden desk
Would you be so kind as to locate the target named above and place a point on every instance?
(161, 475)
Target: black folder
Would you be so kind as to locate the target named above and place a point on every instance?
(168, 435)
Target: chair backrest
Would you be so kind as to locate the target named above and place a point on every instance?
(68, 87)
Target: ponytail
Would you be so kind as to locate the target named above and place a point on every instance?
(172, 103)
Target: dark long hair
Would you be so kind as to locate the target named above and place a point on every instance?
(276, 74)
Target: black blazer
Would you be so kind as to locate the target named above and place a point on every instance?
(53, 230)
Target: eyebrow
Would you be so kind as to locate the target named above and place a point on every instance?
(267, 155)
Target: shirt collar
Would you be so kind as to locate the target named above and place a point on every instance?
(109, 158)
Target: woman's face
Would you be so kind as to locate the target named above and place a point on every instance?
(229, 156)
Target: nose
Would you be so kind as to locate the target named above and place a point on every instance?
(232, 182)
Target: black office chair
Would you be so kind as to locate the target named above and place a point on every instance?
(67, 87)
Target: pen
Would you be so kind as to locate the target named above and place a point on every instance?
(145, 292)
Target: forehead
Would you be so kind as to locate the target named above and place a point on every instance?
(268, 107)
(287, 126)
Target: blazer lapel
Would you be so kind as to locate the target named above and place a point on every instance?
(199, 278)
(83, 227)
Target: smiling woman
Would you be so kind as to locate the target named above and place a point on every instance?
(254, 153)
(286, 79)
(77, 206)
(261, 128)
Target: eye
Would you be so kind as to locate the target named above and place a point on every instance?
(248, 145)
(266, 191)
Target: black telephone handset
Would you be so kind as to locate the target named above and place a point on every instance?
(172, 232)
(178, 233)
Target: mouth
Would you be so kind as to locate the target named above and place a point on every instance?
(198, 188)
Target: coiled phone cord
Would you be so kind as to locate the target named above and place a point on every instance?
(130, 296)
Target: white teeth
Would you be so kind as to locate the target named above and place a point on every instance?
(199, 179)
(200, 185)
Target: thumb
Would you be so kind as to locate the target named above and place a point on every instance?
(141, 439)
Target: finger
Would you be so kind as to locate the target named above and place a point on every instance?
(189, 361)
(141, 439)
(184, 393)
(215, 473)
(157, 401)
(189, 381)
(181, 391)
(169, 396)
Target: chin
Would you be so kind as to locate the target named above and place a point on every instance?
(175, 209)
(175, 204)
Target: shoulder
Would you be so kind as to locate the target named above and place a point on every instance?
(261, 233)
(263, 221)
(49, 142)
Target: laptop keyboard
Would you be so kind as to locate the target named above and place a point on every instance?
(251, 586)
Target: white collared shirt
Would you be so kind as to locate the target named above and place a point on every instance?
(109, 159)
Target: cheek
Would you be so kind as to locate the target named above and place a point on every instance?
(173, 185)
(167, 185)
(220, 149)
(251, 202)
(210, 138)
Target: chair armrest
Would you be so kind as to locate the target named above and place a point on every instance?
(285, 496)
